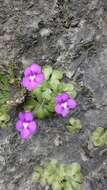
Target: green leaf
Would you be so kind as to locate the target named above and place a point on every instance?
(75, 168)
(68, 87)
(51, 105)
(43, 182)
(61, 171)
(73, 172)
(36, 93)
(37, 173)
(40, 111)
(74, 125)
(47, 94)
(30, 104)
(67, 186)
(99, 137)
(76, 186)
(56, 75)
(54, 84)
(54, 162)
(4, 117)
(47, 70)
(56, 185)
(50, 179)
(3, 124)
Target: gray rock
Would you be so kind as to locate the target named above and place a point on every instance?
(71, 35)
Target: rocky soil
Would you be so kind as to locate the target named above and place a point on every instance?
(67, 34)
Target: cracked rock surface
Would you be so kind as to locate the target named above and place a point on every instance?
(67, 34)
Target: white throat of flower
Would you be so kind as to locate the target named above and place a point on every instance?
(64, 105)
(25, 125)
(32, 77)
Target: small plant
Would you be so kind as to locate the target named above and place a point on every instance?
(4, 96)
(59, 176)
(74, 125)
(10, 95)
(99, 137)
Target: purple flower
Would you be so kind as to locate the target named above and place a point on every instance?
(64, 103)
(33, 76)
(26, 125)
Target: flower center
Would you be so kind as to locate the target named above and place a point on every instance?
(25, 125)
(64, 105)
(32, 77)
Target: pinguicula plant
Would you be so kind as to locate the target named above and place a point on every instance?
(42, 100)
(11, 94)
(99, 137)
(59, 176)
(74, 125)
(4, 96)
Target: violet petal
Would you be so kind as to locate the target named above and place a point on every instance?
(22, 116)
(65, 96)
(27, 72)
(26, 83)
(35, 68)
(25, 133)
(28, 116)
(58, 108)
(19, 125)
(71, 103)
(32, 127)
(40, 77)
(65, 112)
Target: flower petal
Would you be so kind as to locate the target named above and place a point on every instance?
(65, 96)
(65, 112)
(32, 127)
(33, 84)
(19, 125)
(35, 68)
(28, 116)
(25, 133)
(58, 109)
(71, 103)
(27, 72)
(58, 99)
(62, 97)
(40, 77)
(21, 116)
(26, 83)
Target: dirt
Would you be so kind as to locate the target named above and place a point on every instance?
(71, 35)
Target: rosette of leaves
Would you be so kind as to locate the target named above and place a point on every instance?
(4, 95)
(10, 94)
(74, 125)
(59, 176)
(73, 177)
(42, 99)
(99, 137)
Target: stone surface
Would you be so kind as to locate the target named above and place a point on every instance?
(67, 34)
